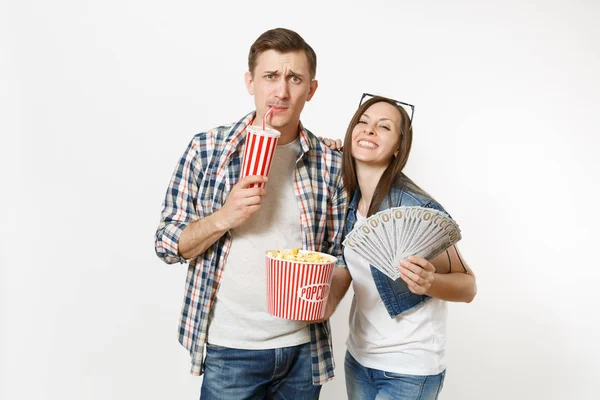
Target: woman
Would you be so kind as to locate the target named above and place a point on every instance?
(396, 345)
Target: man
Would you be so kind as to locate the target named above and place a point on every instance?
(219, 224)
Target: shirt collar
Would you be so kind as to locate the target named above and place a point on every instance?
(305, 143)
(238, 130)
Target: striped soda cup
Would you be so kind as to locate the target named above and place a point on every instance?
(258, 152)
(298, 290)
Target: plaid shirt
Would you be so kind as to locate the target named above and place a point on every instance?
(203, 178)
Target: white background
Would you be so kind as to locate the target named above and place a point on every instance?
(98, 99)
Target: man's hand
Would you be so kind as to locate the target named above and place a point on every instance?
(339, 286)
(418, 273)
(330, 307)
(333, 144)
(242, 202)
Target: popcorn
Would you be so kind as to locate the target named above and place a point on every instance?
(299, 256)
(298, 283)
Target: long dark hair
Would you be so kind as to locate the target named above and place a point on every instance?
(393, 175)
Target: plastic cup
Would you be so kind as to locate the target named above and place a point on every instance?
(258, 152)
(298, 290)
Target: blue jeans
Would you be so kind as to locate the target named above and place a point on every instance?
(284, 373)
(364, 383)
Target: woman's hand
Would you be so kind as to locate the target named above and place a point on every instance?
(418, 273)
(333, 144)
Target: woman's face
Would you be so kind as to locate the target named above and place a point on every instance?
(376, 136)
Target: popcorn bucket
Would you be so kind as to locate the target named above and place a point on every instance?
(298, 290)
(258, 152)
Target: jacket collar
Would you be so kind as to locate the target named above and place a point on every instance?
(395, 194)
(354, 202)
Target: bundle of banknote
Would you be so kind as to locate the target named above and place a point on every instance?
(392, 235)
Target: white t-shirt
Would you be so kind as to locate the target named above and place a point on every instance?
(412, 343)
(239, 317)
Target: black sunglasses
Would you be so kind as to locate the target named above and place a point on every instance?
(407, 107)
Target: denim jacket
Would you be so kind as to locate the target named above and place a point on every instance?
(396, 295)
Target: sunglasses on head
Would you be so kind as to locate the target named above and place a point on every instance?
(409, 108)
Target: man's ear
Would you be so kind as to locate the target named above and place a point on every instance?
(249, 80)
(313, 88)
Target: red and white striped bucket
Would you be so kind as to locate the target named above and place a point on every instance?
(298, 290)
(258, 152)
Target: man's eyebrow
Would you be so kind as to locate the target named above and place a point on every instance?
(289, 73)
(293, 73)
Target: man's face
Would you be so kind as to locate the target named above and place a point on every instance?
(281, 81)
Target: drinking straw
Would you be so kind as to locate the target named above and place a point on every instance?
(265, 117)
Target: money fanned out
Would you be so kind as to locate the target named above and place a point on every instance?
(392, 235)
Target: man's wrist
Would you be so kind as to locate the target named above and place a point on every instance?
(219, 222)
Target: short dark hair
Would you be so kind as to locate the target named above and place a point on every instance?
(284, 41)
